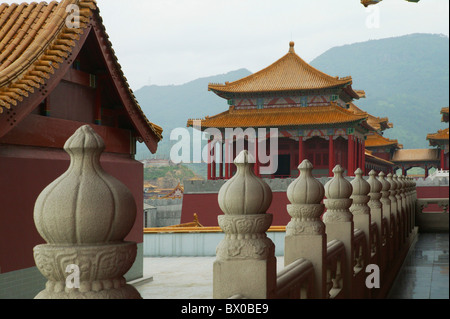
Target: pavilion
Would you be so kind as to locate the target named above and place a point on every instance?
(313, 112)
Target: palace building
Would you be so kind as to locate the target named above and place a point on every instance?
(315, 117)
(55, 79)
(436, 157)
(440, 140)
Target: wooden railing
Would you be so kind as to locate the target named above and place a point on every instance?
(352, 251)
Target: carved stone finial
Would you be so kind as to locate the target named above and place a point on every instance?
(386, 186)
(360, 197)
(245, 193)
(84, 216)
(305, 189)
(305, 194)
(338, 191)
(244, 200)
(85, 205)
(393, 189)
(375, 190)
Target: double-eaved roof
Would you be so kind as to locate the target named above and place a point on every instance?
(36, 43)
(290, 74)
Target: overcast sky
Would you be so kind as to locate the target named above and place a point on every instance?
(175, 41)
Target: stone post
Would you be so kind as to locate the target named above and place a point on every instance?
(404, 196)
(394, 215)
(376, 213)
(409, 201)
(339, 220)
(400, 214)
(359, 207)
(412, 190)
(84, 216)
(305, 233)
(386, 210)
(245, 263)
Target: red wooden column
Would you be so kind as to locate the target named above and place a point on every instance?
(227, 159)
(301, 149)
(357, 154)
(331, 163)
(213, 164)
(426, 171)
(209, 159)
(363, 157)
(360, 154)
(351, 156)
(221, 160)
(256, 167)
(442, 158)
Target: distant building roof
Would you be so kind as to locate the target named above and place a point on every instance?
(439, 138)
(290, 73)
(376, 140)
(444, 113)
(377, 123)
(416, 155)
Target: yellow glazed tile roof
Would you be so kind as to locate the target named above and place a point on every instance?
(440, 135)
(377, 140)
(34, 42)
(377, 123)
(279, 117)
(290, 73)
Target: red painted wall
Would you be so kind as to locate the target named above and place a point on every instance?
(433, 192)
(24, 173)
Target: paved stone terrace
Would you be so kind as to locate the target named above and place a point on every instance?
(424, 275)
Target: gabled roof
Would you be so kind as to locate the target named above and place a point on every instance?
(279, 117)
(37, 48)
(290, 73)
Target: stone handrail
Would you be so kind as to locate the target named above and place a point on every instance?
(335, 263)
(296, 281)
(359, 251)
(424, 202)
(374, 243)
(366, 223)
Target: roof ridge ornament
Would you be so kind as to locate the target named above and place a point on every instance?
(291, 47)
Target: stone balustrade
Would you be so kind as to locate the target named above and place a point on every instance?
(346, 239)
